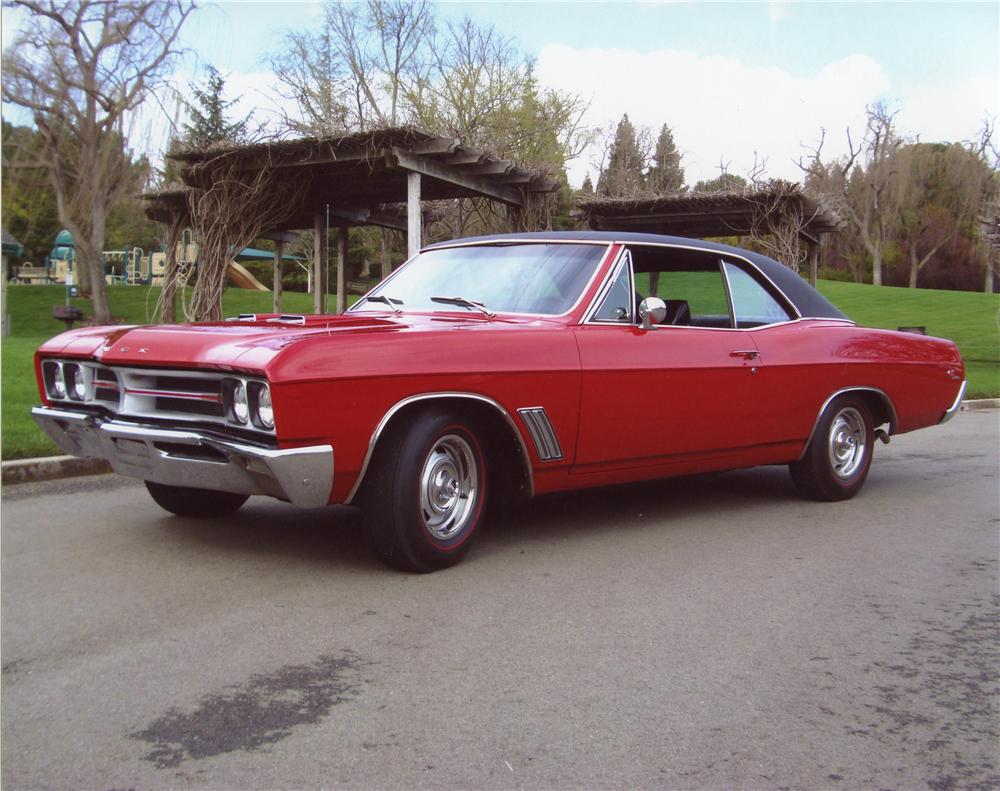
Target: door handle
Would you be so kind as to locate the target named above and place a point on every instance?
(746, 354)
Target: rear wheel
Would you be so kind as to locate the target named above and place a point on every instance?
(836, 463)
(425, 494)
(196, 503)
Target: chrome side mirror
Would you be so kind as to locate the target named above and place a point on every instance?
(652, 310)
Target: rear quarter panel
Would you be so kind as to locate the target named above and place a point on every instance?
(804, 363)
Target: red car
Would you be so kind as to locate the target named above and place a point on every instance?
(488, 367)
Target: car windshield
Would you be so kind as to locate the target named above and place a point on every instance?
(513, 278)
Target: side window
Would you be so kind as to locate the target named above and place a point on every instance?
(617, 304)
(752, 305)
(695, 297)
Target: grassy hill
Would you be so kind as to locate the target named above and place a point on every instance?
(969, 319)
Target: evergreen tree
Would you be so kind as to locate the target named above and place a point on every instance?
(623, 175)
(208, 123)
(666, 174)
(727, 182)
(588, 186)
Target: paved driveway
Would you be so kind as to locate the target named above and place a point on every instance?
(709, 632)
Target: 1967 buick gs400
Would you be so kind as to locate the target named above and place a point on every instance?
(484, 368)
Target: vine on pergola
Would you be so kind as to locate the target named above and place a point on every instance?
(230, 206)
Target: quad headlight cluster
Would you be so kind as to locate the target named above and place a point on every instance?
(248, 403)
(72, 381)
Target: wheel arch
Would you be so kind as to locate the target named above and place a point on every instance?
(485, 412)
(879, 404)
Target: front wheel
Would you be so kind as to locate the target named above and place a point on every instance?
(425, 494)
(197, 503)
(838, 457)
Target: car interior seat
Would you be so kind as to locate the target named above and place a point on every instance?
(678, 312)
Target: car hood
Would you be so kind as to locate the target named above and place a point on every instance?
(249, 344)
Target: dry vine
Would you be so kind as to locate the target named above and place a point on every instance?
(234, 207)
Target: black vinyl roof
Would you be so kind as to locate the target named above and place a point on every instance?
(807, 300)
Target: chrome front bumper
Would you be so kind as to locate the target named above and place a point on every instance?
(956, 406)
(303, 476)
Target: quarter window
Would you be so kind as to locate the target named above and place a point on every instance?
(617, 305)
(752, 305)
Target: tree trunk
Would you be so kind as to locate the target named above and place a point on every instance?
(914, 267)
(877, 268)
(988, 283)
(91, 269)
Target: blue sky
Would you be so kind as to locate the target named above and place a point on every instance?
(730, 78)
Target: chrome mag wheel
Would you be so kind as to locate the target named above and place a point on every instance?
(449, 485)
(847, 442)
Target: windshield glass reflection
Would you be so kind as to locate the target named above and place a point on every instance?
(546, 279)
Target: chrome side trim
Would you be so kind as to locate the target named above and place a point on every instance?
(430, 397)
(893, 420)
(956, 404)
(303, 476)
(542, 433)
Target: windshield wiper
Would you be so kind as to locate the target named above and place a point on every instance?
(467, 303)
(387, 300)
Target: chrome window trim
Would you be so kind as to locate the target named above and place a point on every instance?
(624, 258)
(722, 256)
(893, 419)
(377, 433)
(513, 242)
(732, 302)
(734, 325)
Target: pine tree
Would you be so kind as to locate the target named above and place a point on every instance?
(588, 186)
(623, 175)
(666, 174)
(208, 123)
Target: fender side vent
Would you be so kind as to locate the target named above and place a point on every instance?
(542, 433)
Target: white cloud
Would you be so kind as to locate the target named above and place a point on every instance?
(721, 108)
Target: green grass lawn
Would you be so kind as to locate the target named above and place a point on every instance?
(969, 319)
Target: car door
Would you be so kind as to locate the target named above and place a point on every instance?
(667, 393)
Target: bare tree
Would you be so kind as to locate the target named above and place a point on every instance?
(862, 184)
(81, 68)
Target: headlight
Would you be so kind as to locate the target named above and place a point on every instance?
(58, 383)
(74, 382)
(241, 407)
(264, 410)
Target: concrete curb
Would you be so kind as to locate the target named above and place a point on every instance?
(981, 403)
(50, 468)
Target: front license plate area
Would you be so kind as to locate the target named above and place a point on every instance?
(131, 447)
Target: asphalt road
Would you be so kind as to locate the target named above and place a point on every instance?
(710, 632)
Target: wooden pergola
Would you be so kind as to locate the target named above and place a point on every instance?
(377, 178)
(720, 214)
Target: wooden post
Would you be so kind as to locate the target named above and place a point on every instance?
(386, 262)
(319, 264)
(813, 263)
(412, 214)
(279, 260)
(341, 267)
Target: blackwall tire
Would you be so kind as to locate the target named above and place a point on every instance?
(425, 495)
(839, 456)
(195, 503)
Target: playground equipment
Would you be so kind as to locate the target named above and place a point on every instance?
(132, 266)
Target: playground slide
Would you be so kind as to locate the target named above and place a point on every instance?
(240, 277)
